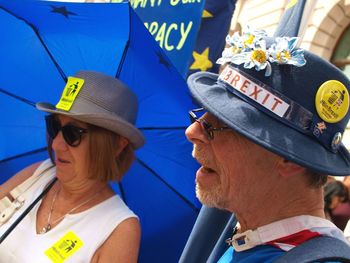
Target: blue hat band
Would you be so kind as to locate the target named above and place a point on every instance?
(280, 107)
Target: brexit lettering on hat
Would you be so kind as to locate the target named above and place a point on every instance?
(332, 104)
(282, 97)
(263, 96)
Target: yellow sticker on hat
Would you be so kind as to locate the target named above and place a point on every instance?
(332, 101)
(64, 248)
(69, 93)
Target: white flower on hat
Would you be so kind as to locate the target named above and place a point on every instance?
(238, 44)
(250, 50)
(251, 36)
(256, 57)
(284, 52)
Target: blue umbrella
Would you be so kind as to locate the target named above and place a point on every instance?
(42, 43)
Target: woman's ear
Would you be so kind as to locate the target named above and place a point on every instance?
(287, 168)
(122, 143)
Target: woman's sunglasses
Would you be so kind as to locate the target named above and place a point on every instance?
(71, 134)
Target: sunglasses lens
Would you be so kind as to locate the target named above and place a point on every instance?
(53, 126)
(72, 135)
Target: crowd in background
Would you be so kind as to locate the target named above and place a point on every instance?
(337, 203)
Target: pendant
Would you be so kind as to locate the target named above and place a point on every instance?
(45, 229)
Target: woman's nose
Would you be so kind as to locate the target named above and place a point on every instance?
(58, 143)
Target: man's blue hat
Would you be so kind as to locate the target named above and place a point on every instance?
(286, 99)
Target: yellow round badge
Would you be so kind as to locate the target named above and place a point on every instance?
(332, 101)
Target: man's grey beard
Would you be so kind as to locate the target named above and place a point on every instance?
(211, 197)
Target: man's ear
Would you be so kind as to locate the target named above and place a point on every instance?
(287, 168)
(122, 143)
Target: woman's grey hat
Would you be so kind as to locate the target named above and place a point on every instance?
(101, 100)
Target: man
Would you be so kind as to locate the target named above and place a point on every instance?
(268, 133)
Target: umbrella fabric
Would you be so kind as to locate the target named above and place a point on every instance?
(215, 25)
(42, 43)
(207, 240)
(174, 25)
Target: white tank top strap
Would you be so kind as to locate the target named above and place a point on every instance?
(19, 195)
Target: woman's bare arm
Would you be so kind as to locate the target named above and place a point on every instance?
(122, 245)
(17, 179)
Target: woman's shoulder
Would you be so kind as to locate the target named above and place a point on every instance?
(123, 243)
(18, 178)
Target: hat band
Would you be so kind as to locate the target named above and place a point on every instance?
(279, 106)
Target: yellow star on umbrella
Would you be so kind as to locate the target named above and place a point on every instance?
(201, 61)
(291, 3)
(206, 14)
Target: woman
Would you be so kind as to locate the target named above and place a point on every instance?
(91, 139)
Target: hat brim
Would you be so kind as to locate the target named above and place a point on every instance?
(109, 122)
(265, 130)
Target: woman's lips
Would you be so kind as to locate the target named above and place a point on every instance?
(62, 161)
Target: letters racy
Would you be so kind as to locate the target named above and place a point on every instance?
(163, 33)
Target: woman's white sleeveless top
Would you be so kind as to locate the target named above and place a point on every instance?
(74, 239)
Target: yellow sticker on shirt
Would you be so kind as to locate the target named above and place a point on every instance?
(69, 244)
(69, 93)
(332, 101)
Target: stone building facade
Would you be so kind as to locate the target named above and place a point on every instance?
(323, 26)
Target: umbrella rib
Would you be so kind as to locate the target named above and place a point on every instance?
(18, 97)
(122, 60)
(168, 185)
(23, 154)
(36, 31)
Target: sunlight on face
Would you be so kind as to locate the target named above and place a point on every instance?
(70, 161)
(210, 192)
(230, 166)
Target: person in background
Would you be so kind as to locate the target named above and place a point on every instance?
(335, 193)
(341, 214)
(91, 141)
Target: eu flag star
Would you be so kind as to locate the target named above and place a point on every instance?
(207, 14)
(162, 60)
(62, 10)
(201, 61)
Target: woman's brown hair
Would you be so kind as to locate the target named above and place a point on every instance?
(107, 162)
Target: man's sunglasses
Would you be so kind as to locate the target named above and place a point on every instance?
(71, 134)
(209, 129)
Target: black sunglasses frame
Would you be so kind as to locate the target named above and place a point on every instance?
(71, 133)
(209, 129)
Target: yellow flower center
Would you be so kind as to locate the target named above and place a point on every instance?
(283, 54)
(249, 40)
(235, 50)
(259, 55)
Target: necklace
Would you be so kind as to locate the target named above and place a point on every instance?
(49, 224)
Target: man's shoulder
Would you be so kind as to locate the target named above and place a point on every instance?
(262, 253)
(319, 249)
